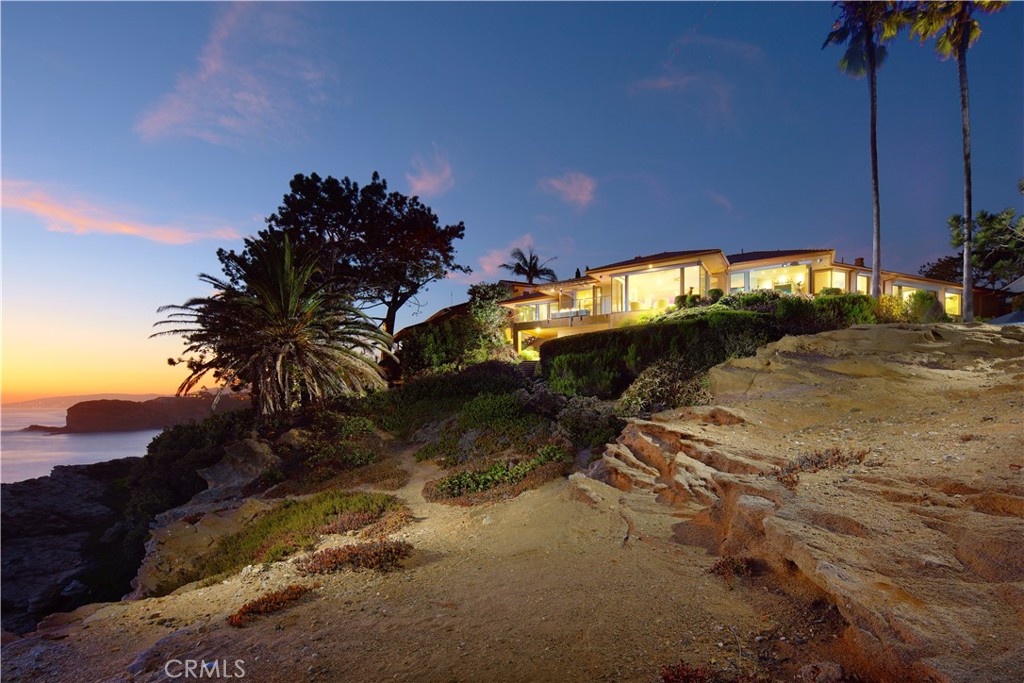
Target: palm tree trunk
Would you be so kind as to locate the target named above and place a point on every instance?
(876, 235)
(967, 296)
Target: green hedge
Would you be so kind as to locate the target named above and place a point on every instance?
(604, 363)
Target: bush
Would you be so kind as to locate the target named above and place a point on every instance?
(830, 291)
(715, 294)
(760, 301)
(588, 423)
(844, 310)
(666, 384)
(924, 307)
(604, 363)
(490, 410)
(891, 309)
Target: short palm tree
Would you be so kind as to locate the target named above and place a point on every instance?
(865, 27)
(955, 29)
(280, 331)
(530, 266)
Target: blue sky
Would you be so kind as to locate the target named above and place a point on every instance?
(137, 138)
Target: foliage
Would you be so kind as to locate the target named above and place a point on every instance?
(924, 307)
(292, 340)
(588, 423)
(715, 294)
(461, 483)
(284, 530)
(487, 410)
(472, 335)
(409, 406)
(529, 266)
(381, 555)
(382, 247)
(604, 363)
(891, 309)
(529, 354)
(997, 245)
(665, 384)
(268, 603)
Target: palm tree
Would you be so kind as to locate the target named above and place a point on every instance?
(530, 266)
(293, 340)
(864, 27)
(955, 29)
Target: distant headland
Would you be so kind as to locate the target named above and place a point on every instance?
(118, 415)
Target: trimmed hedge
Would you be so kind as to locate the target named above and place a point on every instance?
(604, 363)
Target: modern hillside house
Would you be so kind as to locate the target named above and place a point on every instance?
(618, 292)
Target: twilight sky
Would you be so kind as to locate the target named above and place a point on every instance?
(137, 138)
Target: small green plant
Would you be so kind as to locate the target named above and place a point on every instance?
(461, 483)
(529, 354)
(267, 603)
(380, 556)
(714, 294)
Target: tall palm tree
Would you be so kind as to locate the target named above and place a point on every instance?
(281, 331)
(955, 29)
(865, 27)
(530, 266)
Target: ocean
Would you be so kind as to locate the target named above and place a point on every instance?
(25, 455)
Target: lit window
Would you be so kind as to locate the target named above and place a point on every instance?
(952, 303)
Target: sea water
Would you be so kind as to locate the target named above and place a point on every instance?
(24, 455)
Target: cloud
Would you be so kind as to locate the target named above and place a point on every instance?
(710, 91)
(719, 199)
(572, 188)
(431, 180)
(253, 81)
(81, 217)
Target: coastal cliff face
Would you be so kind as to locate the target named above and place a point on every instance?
(113, 415)
(60, 533)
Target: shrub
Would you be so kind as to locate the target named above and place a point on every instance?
(891, 309)
(759, 301)
(715, 294)
(588, 423)
(529, 355)
(330, 457)
(844, 310)
(924, 307)
(665, 384)
(488, 410)
(830, 291)
(595, 363)
(381, 556)
(267, 603)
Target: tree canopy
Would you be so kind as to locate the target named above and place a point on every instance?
(530, 266)
(277, 329)
(382, 247)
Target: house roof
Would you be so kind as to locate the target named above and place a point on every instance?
(523, 298)
(663, 256)
(745, 256)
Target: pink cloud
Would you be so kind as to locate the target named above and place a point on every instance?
(80, 217)
(719, 199)
(572, 188)
(252, 81)
(431, 180)
(677, 82)
(489, 265)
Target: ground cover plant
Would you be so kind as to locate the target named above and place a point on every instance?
(381, 555)
(268, 603)
(292, 526)
(549, 462)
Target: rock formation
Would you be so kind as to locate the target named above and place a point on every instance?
(114, 415)
(59, 533)
(914, 529)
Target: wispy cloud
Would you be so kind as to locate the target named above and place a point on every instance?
(433, 178)
(719, 199)
(572, 188)
(253, 81)
(81, 217)
(709, 91)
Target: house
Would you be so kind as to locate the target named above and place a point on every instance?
(610, 295)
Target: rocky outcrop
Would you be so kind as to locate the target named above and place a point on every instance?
(182, 536)
(902, 509)
(59, 534)
(113, 415)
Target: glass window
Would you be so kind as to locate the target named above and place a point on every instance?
(618, 294)
(782, 278)
(737, 282)
(952, 303)
(693, 281)
(654, 289)
(839, 279)
(584, 299)
(863, 284)
(526, 314)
